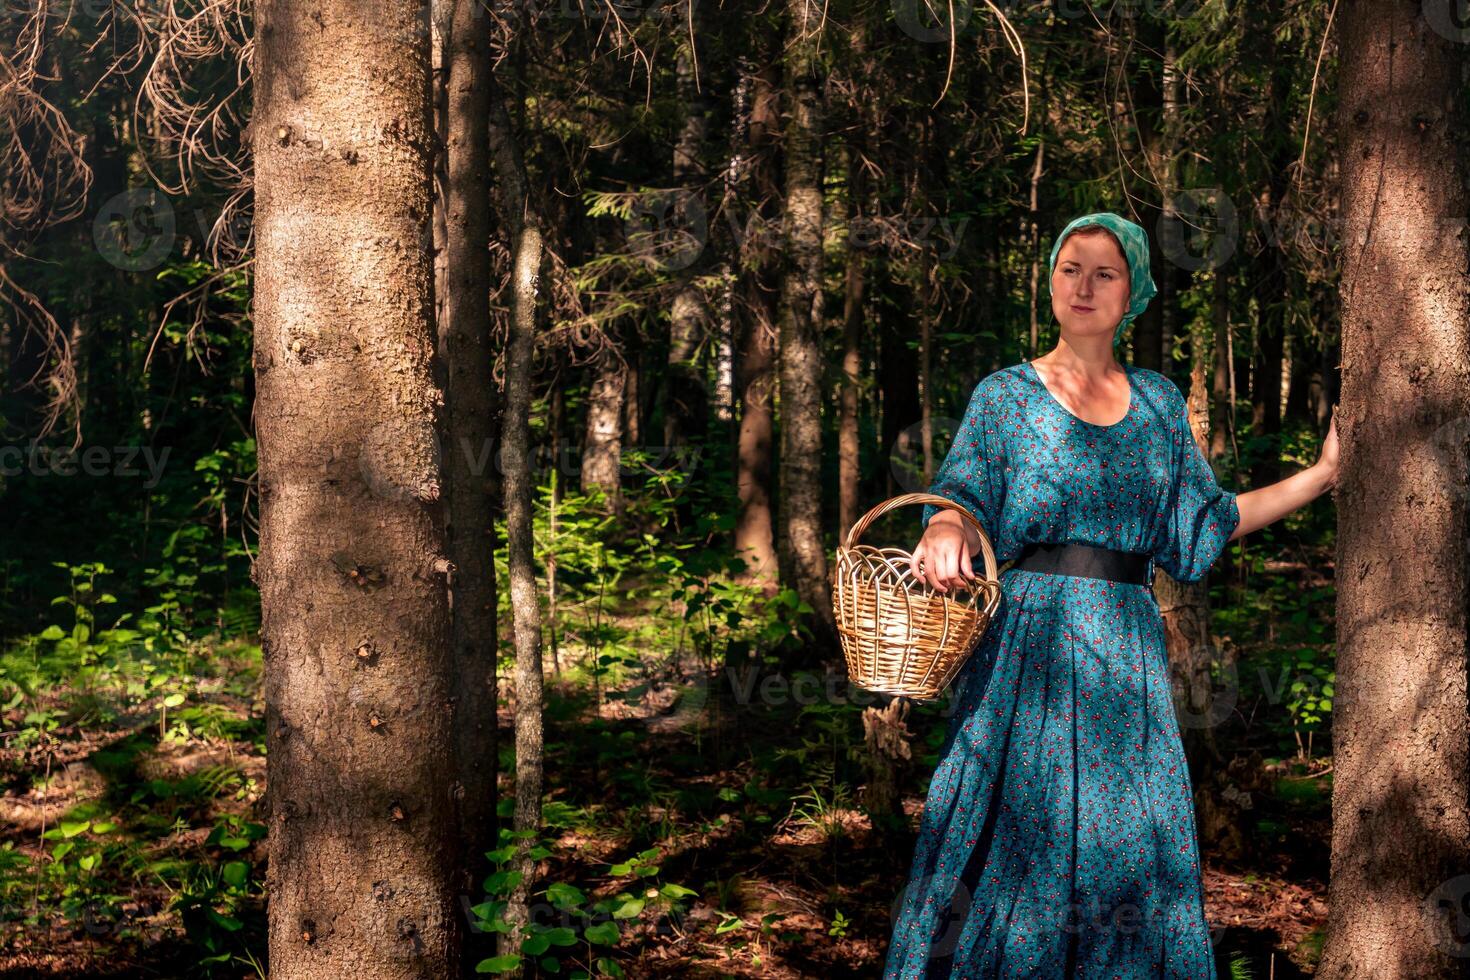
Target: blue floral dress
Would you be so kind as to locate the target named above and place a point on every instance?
(1058, 837)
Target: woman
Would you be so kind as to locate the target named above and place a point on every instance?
(1058, 838)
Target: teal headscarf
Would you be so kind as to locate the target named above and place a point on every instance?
(1134, 241)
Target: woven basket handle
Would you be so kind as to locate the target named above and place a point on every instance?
(904, 500)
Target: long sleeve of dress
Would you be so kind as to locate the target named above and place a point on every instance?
(973, 472)
(1200, 515)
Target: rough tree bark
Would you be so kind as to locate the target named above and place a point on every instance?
(1185, 609)
(1401, 751)
(471, 404)
(849, 453)
(602, 444)
(756, 341)
(801, 374)
(521, 217)
(352, 568)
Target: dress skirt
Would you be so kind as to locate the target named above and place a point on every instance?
(1058, 837)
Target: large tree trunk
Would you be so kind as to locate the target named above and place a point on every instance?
(756, 316)
(801, 351)
(352, 568)
(522, 218)
(1401, 751)
(469, 428)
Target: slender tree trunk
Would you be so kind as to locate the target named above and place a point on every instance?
(725, 323)
(898, 371)
(724, 405)
(755, 527)
(849, 453)
(1037, 169)
(1271, 281)
(1175, 276)
(1221, 388)
(522, 218)
(1146, 337)
(1184, 606)
(757, 314)
(556, 411)
(801, 350)
(632, 402)
(1244, 361)
(1266, 369)
(469, 432)
(1305, 380)
(1033, 228)
(1186, 613)
(1185, 609)
(989, 275)
(352, 568)
(1401, 759)
(686, 405)
(926, 399)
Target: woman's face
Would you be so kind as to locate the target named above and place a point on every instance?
(1090, 286)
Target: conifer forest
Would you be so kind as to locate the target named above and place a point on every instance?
(435, 438)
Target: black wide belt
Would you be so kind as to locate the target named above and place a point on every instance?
(1087, 560)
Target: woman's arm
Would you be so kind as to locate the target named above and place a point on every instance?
(1260, 507)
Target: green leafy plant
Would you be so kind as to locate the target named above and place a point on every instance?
(210, 899)
(1309, 699)
(585, 925)
(81, 852)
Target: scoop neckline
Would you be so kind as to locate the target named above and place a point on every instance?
(1132, 398)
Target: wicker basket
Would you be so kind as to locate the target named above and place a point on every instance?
(899, 635)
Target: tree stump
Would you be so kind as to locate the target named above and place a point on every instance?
(889, 758)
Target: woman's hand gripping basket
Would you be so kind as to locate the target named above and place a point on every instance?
(899, 635)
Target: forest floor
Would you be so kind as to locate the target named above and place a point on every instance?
(746, 801)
